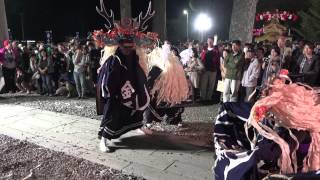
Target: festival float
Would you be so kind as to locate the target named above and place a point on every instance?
(272, 25)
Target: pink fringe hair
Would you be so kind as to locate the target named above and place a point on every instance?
(294, 106)
(172, 86)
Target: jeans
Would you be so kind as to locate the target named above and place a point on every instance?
(55, 79)
(80, 80)
(231, 89)
(47, 84)
(208, 80)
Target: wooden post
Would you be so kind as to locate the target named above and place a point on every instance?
(159, 23)
(125, 8)
(242, 20)
(3, 22)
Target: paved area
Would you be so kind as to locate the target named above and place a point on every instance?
(135, 153)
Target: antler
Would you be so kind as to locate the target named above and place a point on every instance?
(142, 20)
(103, 12)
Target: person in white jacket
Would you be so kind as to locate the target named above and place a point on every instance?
(186, 54)
(250, 75)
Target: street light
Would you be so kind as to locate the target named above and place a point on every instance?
(202, 23)
(185, 12)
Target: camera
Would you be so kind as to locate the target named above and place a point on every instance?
(266, 59)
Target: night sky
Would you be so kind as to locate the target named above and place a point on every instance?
(66, 17)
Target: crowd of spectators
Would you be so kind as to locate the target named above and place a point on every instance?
(70, 69)
(244, 68)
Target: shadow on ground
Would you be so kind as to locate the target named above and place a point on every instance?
(191, 136)
(159, 142)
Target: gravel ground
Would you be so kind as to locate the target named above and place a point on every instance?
(73, 106)
(86, 107)
(197, 121)
(23, 160)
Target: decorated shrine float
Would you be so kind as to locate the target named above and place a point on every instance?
(272, 25)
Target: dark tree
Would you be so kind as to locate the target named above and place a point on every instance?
(242, 20)
(310, 18)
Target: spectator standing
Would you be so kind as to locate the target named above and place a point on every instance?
(261, 59)
(79, 72)
(281, 44)
(34, 69)
(272, 65)
(233, 65)
(210, 58)
(194, 69)
(24, 73)
(288, 63)
(250, 75)
(45, 68)
(59, 65)
(225, 53)
(309, 66)
(9, 66)
(89, 86)
(298, 51)
(67, 61)
(186, 54)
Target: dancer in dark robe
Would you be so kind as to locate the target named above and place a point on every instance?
(122, 82)
(122, 94)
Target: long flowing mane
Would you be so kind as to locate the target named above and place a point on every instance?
(292, 106)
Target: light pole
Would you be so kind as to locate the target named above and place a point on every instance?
(203, 23)
(185, 12)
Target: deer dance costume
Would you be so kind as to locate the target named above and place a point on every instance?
(122, 78)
